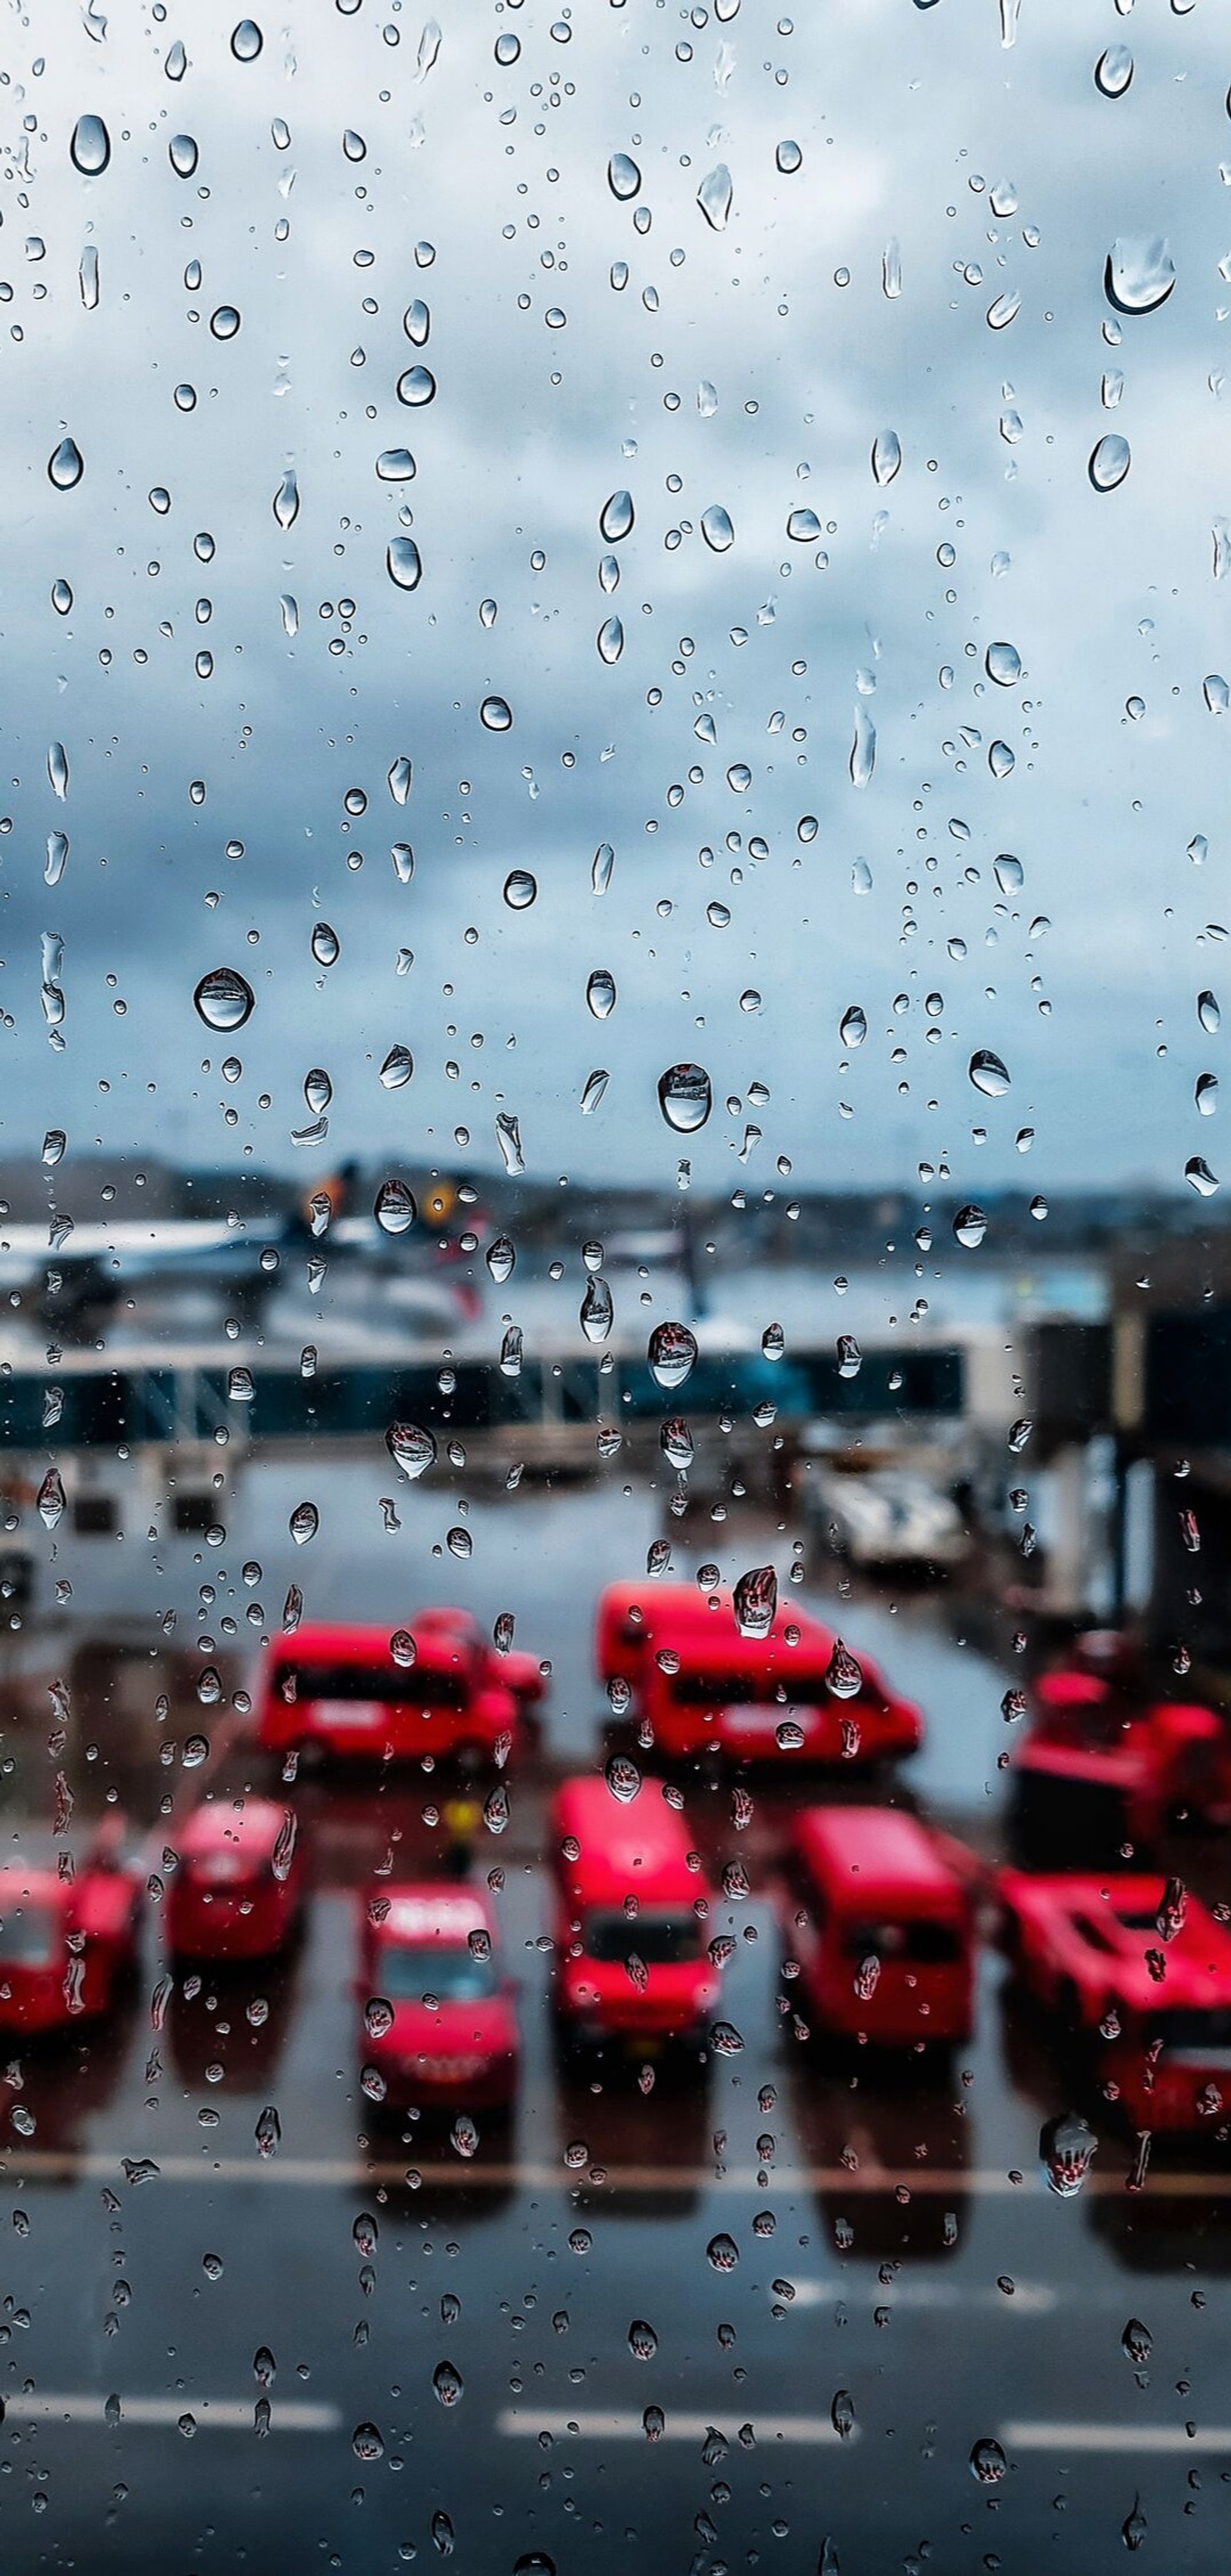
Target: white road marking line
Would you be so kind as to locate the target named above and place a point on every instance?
(922, 2183)
(593, 2424)
(209, 2414)
(1028, 2298)
(1114, 2437)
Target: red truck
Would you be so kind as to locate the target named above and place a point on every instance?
(700, 1686)
(440, 2025)
(632, 1972)
(1140, 1976)
(238, 1888)
(879, 1924)
(438, 1687)
(1100, 1774)
(65, 1944)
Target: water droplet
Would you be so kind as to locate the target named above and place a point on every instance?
(395, 465)
(397, 1068)
(416, 387)
(66, 465)
(722, 2253)
(176, 63)
(642, 2340)
(246, 41)
(1205, 1093)
(672, 1352)
(988, 2462)
(520, 889)
(447, 2382)
(988, 1074)
(501, 1258)
(395, 1207)
(716, 528)
(57, 769)
(853, 1026)
(496, 714)
(788, 158)
(842, 2413)
(843, 1675)
(403, 563)
(886, 456)
(600, 868)
(1208, 1013)
(616, 517)
(863, 747)
(1010, 874)
(714, 197)
(610, 640)
(601, 993)
(507, 49)
(1216, 693)
(1139, 275)
(51, 1498)
(223, 999)
(1199, 1177)
(1137, 2342)
(803, 527)
(1003, 310)
(286, 499)
(61, 597)
(1066, 2147)
(596, 1311)
(685, 1097)
(412, 1448)
(623, 1778)
(1114, 71)
(304, 1523)
(969, 1227)
(1003, 664)
(90, 147)
(755, 1600)
(623, 177)
(182, 155)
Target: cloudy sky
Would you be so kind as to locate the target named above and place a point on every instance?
(895, 176)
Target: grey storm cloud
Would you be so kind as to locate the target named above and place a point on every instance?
(750, 368)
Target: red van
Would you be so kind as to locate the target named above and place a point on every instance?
(631, 1964)
(880, 1924)
(65, 1943)
(1098, 1769)
(1140, 1975)
(356, 1694)
(440, 2020)
(238, 1889)
(700, 1685)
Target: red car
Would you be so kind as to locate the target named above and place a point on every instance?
(1141, 1974)
(879, 1923)
(699, 1685)
(1099, 1776)
(438, 1687)
(440, 2023)
(238, 1889)
(65, 1943)
(631, 1965)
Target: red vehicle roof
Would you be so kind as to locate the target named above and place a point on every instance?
(876, 1855)
(678, 1612)
(435, 1913)
(319, 1643)
(250, 1826)
(1114, 1921)
(640, 1849)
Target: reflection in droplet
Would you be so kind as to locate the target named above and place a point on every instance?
(403, 563)
(395, 1207)
(397, 1068)
(66, 465)
(788, 158)
(246, 41)
(853, 1026)
(520, 889)
(416, 387)
(90, 148)
(223, 999)
(623, 177)
(395, 465)
(970, 1227)
(714, 197)
(716, 528)
(412, 1448)
(1208, 1013)
(1199, 1177)
(1109, 462)
(1003, 310)
(616, 517)
(988, 1074)
(496, 714)
(1114, 71)
(1003, 664)
(803, 527)
(601, 992)
(672, 1351)
(886, 455)
(326, 945)
(224, 322)
(685, 1097)
(1139, 275)
(182, 155)
(610, 640)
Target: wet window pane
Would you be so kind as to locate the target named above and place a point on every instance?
(615, 1616)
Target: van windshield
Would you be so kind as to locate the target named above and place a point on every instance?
(406, 1975)
(417, 1688)
(923, 1941)
(660, 1939)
